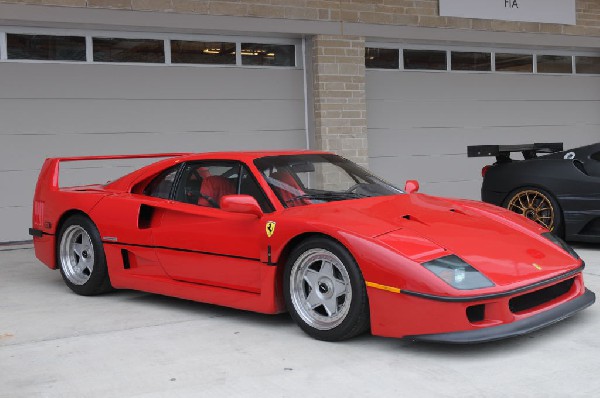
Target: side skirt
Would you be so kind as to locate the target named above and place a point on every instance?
(266, 301)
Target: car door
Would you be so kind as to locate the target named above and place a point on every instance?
(198, 242)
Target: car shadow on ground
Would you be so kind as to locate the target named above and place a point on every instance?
(202, 309)
(53, 283)
(532, 341)
(365, 341)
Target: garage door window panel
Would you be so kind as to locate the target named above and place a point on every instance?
(197, 52)
(554, 64)
(522, 63)
(128, 50)
(590, 65)
(471, 61)
(268, 54)
(425, 60)
(382, 58)
(45, 47)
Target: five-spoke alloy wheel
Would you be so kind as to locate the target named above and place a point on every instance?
(77, 255)
(80, 256)
(325, 291)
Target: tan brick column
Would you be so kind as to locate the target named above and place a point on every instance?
(338, 97)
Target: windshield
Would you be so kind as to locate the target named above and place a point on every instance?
(300, 180)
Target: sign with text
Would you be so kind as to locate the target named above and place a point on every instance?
(548, 11)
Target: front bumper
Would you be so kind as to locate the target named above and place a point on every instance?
(517, 328)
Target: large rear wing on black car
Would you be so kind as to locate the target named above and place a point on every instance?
(502, 152)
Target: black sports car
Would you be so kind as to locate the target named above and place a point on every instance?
(559, 190)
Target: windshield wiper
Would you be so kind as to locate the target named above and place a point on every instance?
(329, 196)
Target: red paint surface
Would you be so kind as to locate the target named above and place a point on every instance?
(222, 257)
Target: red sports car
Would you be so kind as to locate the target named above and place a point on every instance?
(313, 234)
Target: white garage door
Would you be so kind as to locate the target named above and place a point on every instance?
(420, 123)
(66, 109)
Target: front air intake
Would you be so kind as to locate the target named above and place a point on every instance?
(539, 297)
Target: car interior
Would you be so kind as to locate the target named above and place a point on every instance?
(205, 183)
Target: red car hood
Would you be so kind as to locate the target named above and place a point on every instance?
(505, 247)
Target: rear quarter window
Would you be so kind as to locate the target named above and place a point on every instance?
(160, 186)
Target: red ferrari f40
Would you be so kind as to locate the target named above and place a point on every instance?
(310, 233)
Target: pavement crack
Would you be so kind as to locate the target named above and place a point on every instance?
(99, 333)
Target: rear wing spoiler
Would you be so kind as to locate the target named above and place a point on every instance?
(48, 181)
(48, 178)
(502, 152)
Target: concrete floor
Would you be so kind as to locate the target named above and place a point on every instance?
(54, 343)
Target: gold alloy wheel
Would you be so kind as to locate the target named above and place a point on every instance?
(535, 206)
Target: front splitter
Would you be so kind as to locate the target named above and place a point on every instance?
(517, 328)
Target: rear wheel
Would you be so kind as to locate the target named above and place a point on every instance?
(537, 205)
(80, 256)
(325, 291)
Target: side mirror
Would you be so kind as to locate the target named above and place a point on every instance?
(411, 186)
(244, 204)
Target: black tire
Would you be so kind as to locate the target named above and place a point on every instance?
(349, 318)
(85, 273)
(554, 223)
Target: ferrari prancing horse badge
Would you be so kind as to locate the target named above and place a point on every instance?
(270, 228)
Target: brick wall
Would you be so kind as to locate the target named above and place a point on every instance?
(392, 12)
(340, 109)
(426, 13)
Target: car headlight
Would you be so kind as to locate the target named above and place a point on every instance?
(457, 273)
(561, 243)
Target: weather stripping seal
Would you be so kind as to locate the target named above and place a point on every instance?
(495, 295)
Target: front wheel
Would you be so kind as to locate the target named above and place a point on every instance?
(80, 256)
(325, 291)
(537, 205)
